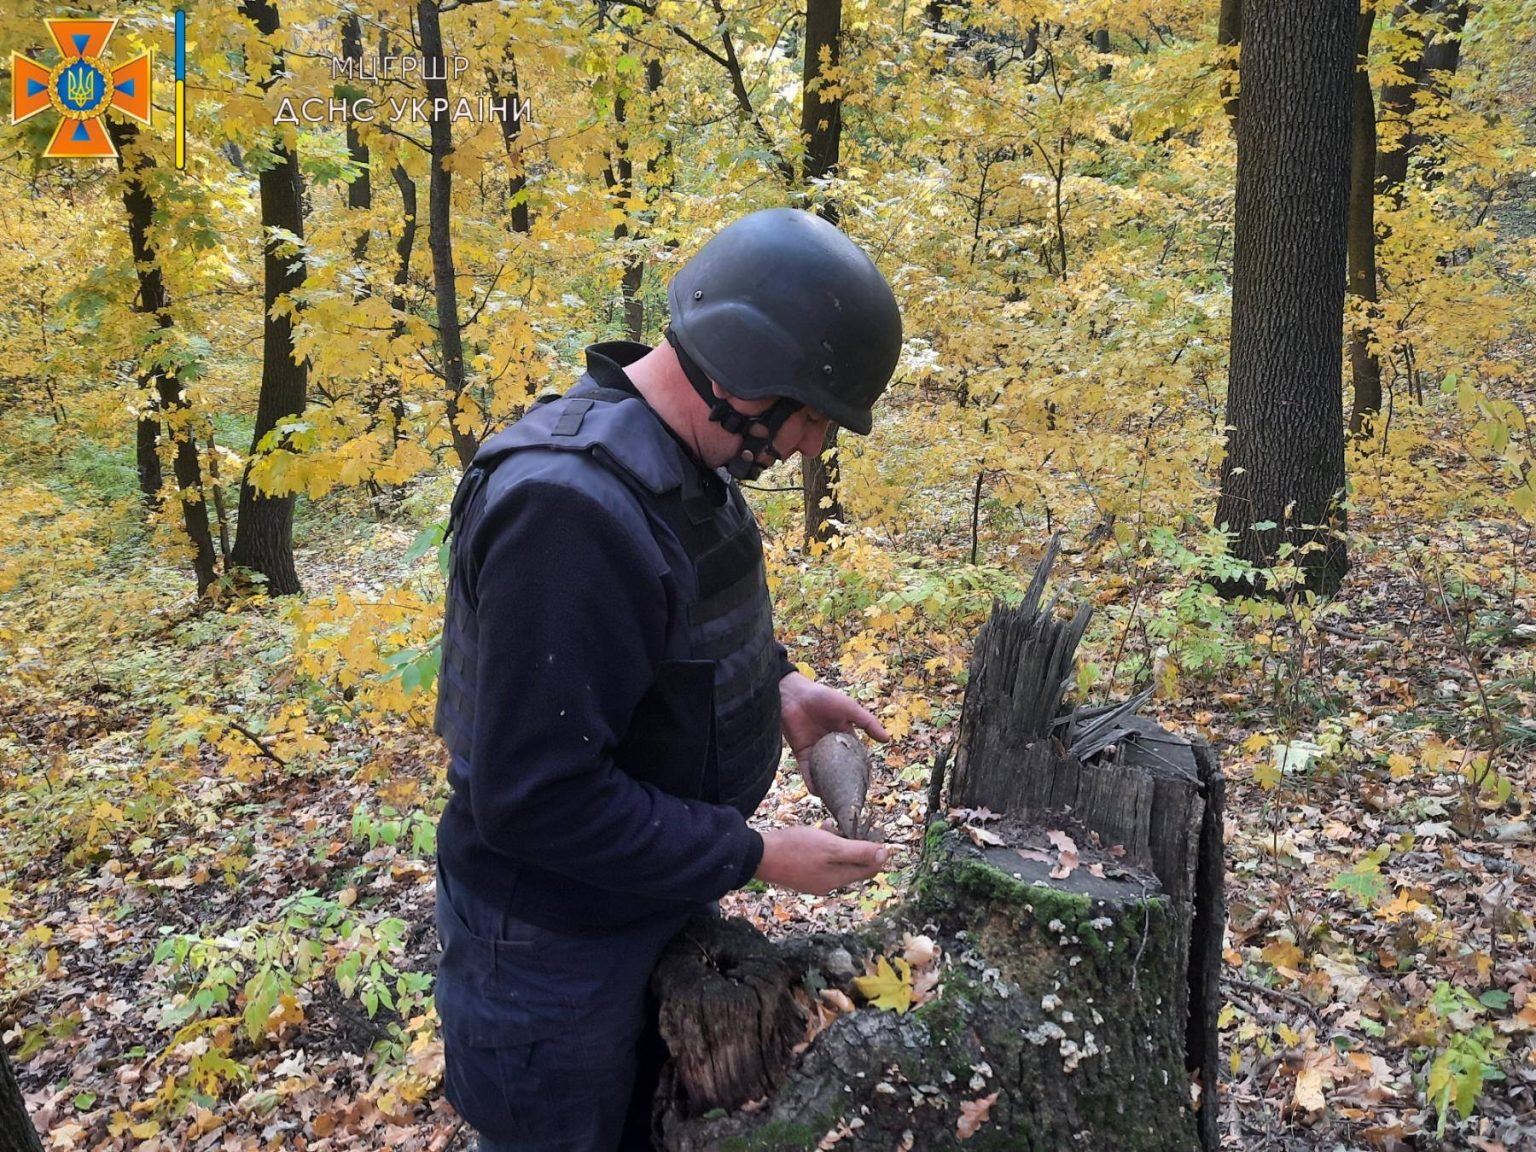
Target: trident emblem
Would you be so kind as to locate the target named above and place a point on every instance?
(80, 88)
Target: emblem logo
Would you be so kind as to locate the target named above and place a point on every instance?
(80, 88)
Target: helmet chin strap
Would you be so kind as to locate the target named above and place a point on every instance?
(744, 465)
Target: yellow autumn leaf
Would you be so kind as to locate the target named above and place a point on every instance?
(1266, 774)
(1282, 954)
(1436, 753)
(1257, 742)
(1400, 906)
(1309, 1090)
(888, 988)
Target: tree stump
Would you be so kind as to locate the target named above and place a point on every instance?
(16, 1131)
(1078, 995)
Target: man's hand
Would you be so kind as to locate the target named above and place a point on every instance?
(813, 861)
(811, 710)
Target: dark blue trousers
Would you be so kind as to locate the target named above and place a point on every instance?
(541, 1028)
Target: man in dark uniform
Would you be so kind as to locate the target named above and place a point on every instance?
(611, 690)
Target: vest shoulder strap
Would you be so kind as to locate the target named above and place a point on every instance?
(590, 418)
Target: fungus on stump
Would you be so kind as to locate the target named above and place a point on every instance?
(1082, 1000)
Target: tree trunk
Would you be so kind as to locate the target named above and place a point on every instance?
(821, 130)
(619, 177)
(1284, 466)
(404, 246)
(1229, 33)
(450, 337)
(146, 453)
(360, 190)
(264, 526)
(170, 402)
(1080, 998)
(818, 482)
(504, 87)
(16, 1131)
(1396, 107)
(1101, 45)
(1364, 364)
(1442, 55)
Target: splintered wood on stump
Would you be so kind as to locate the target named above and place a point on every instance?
(1077, 1002)
(1118, 777)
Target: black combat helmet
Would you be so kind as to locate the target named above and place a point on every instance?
(781, 303)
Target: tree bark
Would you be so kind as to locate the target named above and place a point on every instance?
(821, 130)
(1229, 33)
(1442, 55)
(1081, 999)
(17, 1133)
(360, 190)
(1284, 465)
(619, 176)
(1396, 108)
(264, 527)
(162, 379)
(450, 336)
(1364, 364)
(818, 481)
(504, 87)
(146, 452)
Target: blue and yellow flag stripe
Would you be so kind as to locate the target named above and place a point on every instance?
(181, 89)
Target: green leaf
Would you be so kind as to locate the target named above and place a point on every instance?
(1364, 882)
(260, 999)
(1495, 998)
(428, 538)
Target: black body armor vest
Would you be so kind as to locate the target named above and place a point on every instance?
(709, 726)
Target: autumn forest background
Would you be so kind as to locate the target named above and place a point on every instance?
(235, 399)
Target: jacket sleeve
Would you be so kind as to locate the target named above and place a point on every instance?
(572, 612)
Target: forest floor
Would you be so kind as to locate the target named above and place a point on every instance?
(213, 960)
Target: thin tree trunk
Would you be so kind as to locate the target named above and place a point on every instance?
(360, 190)
(1229, 33)
(1364, 365)
(1284, 464)
(264, 524)
(439, 238)
(1442, 55)
(622, 191)
(403, 248)
(146, 453)
(164, 382)
(1396, 107)
(16, 1131)
(620, 179)
(504, 87)
(360, 198)
(1101, 45)
(821, 128)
